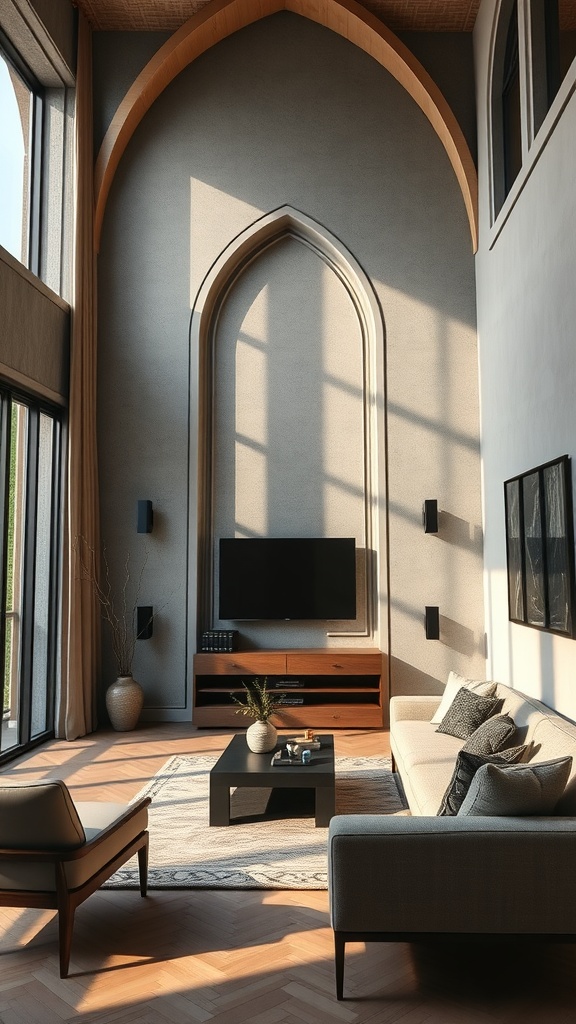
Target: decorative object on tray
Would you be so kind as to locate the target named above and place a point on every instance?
(282, 758)
(260, 704)
(124, 697)
(308, 739)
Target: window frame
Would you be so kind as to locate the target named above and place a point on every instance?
(32, 256)
(36, 407)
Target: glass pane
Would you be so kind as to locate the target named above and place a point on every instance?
(511, 109)
(15, 134)
(567, 34)
(557, 549)
(14, 573)
(515, 591)
(40, 658)
(535, 607)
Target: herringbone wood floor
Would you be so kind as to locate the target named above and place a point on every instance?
(233, 957)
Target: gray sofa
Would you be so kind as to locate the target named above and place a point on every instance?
(412, 875)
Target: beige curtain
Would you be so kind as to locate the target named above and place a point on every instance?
(76, 713)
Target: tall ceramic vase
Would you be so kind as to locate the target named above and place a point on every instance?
(261, 737)
(124, 700)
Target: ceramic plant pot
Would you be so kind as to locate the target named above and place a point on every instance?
(124, 700)
(261, 737)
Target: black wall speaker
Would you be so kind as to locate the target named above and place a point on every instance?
(145, 517)
(432, 622)
(144, 621)
(430, 515)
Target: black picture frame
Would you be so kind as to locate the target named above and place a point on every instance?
(540, 547)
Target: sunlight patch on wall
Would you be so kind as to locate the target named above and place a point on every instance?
(215, 219)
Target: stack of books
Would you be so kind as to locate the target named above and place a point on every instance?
(219, 640)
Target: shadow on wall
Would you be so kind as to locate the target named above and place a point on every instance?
(460, 638)
(460, 533)
(411, 680)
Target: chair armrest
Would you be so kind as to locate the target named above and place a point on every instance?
(413, 708)
(396, 874)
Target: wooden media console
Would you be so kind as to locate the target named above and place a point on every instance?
(337, 687)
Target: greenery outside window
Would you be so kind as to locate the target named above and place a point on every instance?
(30, 439)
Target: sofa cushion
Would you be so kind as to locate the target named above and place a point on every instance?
(467, 711)
(467, 764)
(491, 736)
(517, 789)
(454, 684)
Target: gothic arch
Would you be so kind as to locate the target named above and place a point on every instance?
(238, 254)
(222, 18)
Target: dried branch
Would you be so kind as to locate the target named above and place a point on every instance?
(118, 612)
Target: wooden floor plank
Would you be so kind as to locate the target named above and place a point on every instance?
(230, 957)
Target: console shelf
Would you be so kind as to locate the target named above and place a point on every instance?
(342, 688)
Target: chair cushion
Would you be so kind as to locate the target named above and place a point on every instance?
(96, 818)
(39, 816)
(517, 789)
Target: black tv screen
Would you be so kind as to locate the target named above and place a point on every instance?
(287, 578)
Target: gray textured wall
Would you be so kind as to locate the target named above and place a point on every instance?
(526, 268)
(285, 112)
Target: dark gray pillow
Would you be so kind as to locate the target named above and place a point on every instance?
(517, 789)
(467, 711)
(491, 736)
(467, 764)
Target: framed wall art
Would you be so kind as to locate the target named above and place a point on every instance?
(540, 547)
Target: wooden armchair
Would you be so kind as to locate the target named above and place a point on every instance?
(54, 853)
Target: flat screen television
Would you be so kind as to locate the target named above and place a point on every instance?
(287, 578)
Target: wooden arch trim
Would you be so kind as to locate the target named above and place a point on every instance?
(222, 18)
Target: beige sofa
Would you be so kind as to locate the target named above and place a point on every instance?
(412, 875)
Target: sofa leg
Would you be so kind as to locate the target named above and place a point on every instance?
(339, 950)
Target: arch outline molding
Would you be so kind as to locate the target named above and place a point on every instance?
(243, 250)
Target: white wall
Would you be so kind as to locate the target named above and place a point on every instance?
(526, 300)
(285, 112)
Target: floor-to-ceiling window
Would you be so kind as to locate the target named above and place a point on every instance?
(30, 435)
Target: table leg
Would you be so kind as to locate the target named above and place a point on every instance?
(219, 803)
(325, 805)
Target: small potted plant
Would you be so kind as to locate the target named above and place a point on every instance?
(259, 704)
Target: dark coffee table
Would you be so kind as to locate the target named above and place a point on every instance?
(238, 767)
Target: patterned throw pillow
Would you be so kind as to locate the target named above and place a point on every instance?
(517, 789)
(467, 764)
(491, 736)
(467, 711)
(454, 683)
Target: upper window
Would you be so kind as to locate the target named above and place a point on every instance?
(20, 101)
(553, 43)
(534, 47)
(510, 99)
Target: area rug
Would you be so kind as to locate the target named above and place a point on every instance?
(272, 842)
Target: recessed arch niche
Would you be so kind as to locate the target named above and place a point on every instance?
(273, 236)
